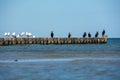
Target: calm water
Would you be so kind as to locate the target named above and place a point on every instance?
(112, 45)
(61, 62)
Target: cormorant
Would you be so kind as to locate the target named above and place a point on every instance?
(52, 34)
(89, 35)
(103, 32)
(84, 35)
(69, 35)
(96, 35)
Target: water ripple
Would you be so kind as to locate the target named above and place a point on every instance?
(56, 59)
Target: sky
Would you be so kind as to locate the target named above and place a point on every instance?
(40, 17)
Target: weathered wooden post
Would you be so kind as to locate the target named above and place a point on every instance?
(92, 40)
(30, 41)
(58, 40)
(65, 40)
(26, 40)
(45, 41)
(69, 40)
(6, 41)
(1, 41)
(9, 41)
(41, 41)
(55, 40)
(78, 41)
(18, 40)
(14, 41)
(51, 40)
(62, 41)
(34, 40)
(105, 38)
(81, 40)
(48, 41)
(23, 41)
(37, 41)
(84, 40)
(72, 41)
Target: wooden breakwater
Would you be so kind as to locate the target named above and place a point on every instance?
(14, 41)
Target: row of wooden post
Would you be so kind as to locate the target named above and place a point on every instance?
(14, 41)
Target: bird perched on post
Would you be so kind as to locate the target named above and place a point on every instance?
(28, 34)
(22, 34)
(5, 34)
(18, 36)
(84, 35)
(89, 35)
(96, 35)
(13, 35)
(33, 36)
(52, 34)
(8, 34)
(69, 35)
(103, 32)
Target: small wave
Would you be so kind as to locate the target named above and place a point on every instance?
(56, 59)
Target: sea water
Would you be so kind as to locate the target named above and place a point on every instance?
(61, 62)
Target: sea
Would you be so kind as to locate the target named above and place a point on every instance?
(61, 61)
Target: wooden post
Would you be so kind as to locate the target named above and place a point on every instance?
(13, 41)
(1, 41)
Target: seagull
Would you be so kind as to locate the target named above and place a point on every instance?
(33, 36)
(22, 34)
(13, 35)
(18, 36)
(8, 34)
(30, 34)
(5, 34)
(27, 34)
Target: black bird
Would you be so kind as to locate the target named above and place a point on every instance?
(103, 32)
(84, 35)
(15, 60)
(89, 35)
(69, 35)
(96, 35)
(52, 34)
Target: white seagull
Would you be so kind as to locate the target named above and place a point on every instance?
(22, 34)
(28, 34)
(5, 34)
(18, 36)
(8, 34)
(13, 35)
(33, 36)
